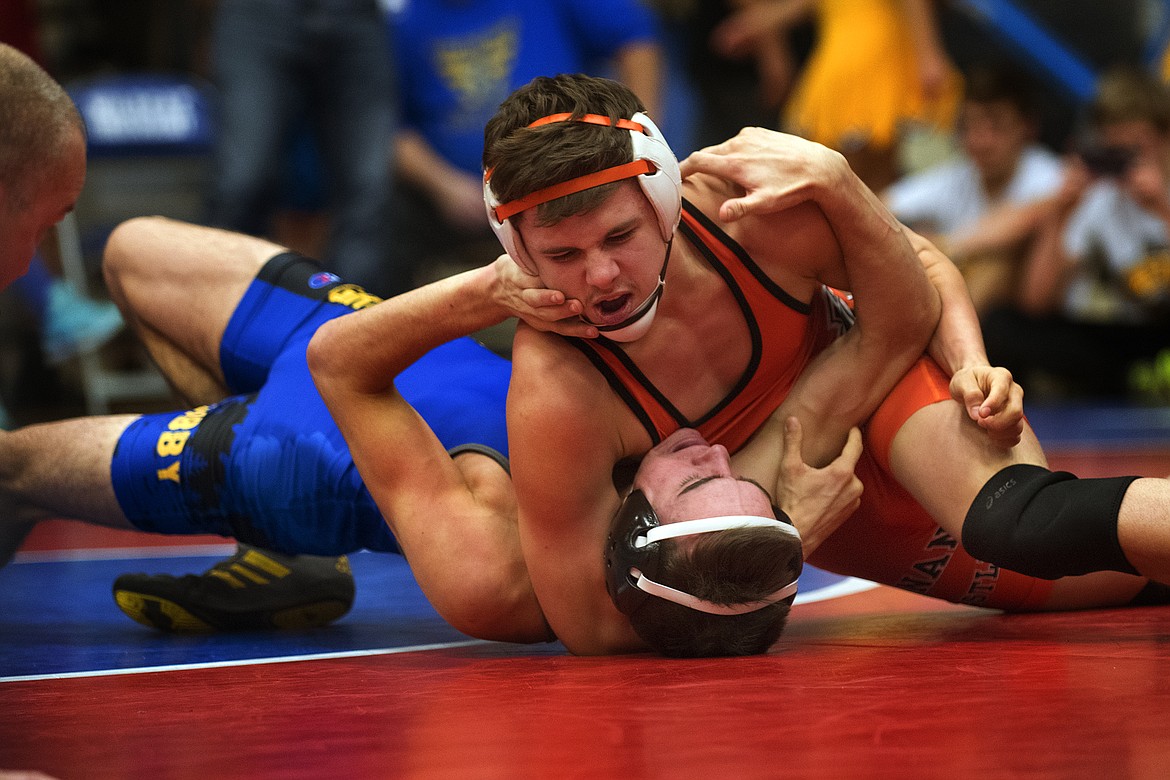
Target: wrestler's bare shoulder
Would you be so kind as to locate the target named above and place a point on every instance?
(789, 244)
(556, 388)
(546, 364)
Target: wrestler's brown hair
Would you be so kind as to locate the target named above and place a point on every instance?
(523, 160)
(730, 567)
(36, 118)
(1129, 94)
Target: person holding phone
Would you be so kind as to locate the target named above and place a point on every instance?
(1093, 306)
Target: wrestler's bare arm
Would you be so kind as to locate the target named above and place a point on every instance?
(454, 519)
(989, 394)
(563, 453)
(860, 247)
(759, 162)
(816, 500)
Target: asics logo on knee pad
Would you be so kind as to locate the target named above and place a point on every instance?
(1047, 524)
(1011, 483)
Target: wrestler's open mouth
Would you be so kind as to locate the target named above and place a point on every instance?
(613, 306)
(611, 310)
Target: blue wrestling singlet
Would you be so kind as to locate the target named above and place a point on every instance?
(268, 466)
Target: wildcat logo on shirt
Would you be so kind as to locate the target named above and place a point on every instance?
(477, 69)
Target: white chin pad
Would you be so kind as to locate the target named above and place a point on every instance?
(632, 330)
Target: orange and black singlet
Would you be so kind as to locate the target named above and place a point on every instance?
(891, 538)
(785, 334)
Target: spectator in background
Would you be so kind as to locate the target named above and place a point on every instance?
(877, 68)
(278, 62)
(42, 168)
(1094, 302)
(457, 60)
(982, 207)
(734, 87)
(1096, 34)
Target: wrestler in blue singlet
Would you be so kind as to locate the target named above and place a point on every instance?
(268, 466)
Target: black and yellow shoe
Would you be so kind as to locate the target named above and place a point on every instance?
(253, 589)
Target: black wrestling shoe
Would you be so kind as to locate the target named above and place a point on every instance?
(253, 589)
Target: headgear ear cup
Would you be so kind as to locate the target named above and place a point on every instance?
(503, 228)
(662, 187)
(622, 554)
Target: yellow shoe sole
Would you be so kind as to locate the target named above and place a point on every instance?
(159, 613)
(166, 615)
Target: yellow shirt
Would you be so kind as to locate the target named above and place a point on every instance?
(862, 82)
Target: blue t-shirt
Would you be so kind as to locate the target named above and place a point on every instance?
(459, 59)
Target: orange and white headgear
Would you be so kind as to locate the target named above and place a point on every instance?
(654, 165)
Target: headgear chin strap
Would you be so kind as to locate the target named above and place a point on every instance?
(654, 165)
(633, 557)
(638, 323)
(710, 607)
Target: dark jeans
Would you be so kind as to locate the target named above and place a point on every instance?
(278, 63)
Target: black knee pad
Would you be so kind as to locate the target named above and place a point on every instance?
(1047, 524)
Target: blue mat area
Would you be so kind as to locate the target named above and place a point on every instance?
(59, 617)
(1084, 425)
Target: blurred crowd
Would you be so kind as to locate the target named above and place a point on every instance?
(351, 130)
